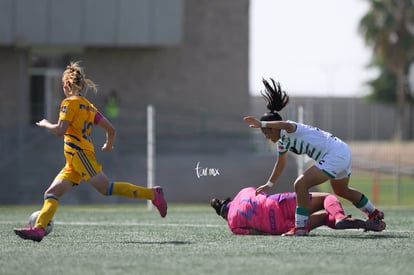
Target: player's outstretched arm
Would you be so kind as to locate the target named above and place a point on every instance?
(277, 171)
(58, 129)
(253, 122)
(281, 125)
(110, 134)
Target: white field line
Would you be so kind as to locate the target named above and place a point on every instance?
(89, 223)
(140, 224)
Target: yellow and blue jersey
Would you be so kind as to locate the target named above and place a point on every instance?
(82, 116)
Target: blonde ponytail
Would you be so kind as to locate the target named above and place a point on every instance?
(74, 78)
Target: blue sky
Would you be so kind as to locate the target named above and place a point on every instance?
(314, 50)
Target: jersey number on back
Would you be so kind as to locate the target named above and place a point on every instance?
(86, 131)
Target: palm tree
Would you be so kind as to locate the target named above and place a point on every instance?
(388, 27)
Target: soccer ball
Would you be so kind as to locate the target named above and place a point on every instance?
(33, 218)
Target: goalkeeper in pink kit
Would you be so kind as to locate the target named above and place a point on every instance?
(274, 214)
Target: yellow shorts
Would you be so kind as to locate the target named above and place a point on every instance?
(80, 165)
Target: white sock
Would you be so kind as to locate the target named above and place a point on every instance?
(365, 205)
(301, 217)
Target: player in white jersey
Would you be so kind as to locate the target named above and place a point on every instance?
(332, 157)
(318, 145)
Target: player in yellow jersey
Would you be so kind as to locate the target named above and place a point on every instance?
(76, 120)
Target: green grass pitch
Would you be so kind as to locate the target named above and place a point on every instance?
(192, 239)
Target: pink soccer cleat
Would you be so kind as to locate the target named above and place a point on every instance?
(297, 232)
(30, 233)
(159, 201)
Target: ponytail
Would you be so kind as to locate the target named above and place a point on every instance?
(276, 100)
(74, 78)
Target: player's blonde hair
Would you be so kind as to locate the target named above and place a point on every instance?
(74, 78)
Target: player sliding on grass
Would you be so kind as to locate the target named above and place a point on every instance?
(253, 214)
(76, 119)
(332, 159)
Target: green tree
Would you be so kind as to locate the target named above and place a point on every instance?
(388, 27)
(383, 86)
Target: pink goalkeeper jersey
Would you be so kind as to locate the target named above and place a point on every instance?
(266, 213)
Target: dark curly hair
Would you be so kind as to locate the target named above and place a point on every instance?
(219, 205)
(276, 100)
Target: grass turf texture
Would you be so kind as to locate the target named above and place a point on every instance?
(192, 239)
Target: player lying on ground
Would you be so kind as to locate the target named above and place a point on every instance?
(76, 119)
(332, 158)
(249, 213)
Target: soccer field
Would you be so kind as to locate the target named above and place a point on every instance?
(192, 239)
